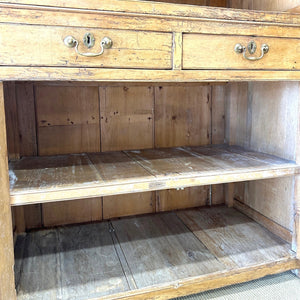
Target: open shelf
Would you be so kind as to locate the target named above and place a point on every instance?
(168, 253)
(75, 176)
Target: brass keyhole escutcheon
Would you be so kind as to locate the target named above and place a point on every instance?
(251, 47)
(89, 40)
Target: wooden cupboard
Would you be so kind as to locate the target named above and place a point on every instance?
(170, 117)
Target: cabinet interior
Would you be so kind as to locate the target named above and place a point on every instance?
(249, 128)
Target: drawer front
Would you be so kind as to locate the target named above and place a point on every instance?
(25, 45)
(204, 51)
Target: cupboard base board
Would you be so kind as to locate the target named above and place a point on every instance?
(158, 256)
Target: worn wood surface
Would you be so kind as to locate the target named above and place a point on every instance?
(233, 237)
(264, 221)
(180, 10)
(179, 199)
(127, 114)
(128, 205)
(131, 49)
(159, 249)
(197, 51)
(186, 119)
(44, 179)
(162, 255)
(72, 212)
(7, 289)
(67, 119)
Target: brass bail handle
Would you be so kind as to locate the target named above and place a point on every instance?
(251, 48)
(71, 42)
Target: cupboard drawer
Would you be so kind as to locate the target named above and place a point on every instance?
(205, 51)
(44, 46)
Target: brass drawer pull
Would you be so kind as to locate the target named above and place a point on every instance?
(71, 42)
(251, 49)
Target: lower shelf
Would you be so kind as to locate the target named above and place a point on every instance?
(165, 255)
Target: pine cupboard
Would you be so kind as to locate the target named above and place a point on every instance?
(167, 134)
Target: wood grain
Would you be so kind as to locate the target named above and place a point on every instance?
(72, 212)
(179, 199)
(44, 179)
(131, 49)
(182, 116)
(68, 119)
(164, 9)
(149, 256)
(126, 117)
(128, 205)
(7, 288)
(233, 237)
(167, 249)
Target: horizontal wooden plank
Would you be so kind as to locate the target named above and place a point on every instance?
(149, 256)
(118, 75)
(47, 179)
(163, 9)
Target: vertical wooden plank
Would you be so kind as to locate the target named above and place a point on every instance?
(236, 115)
(182, 118)
(7, 286)
(187, 198)
(127, 114)
(126, 117)
(218, 133)
(26, 119)
(177, 50)
(128, 205)
(229, 194)
(75, 211)
(218, 114)
(12, 126)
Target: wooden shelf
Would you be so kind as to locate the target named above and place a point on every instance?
(76, 176)
(168, 254)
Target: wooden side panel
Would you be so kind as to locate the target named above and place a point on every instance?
(128, 204)
(262, 116)
(7, 287)
(182, 118)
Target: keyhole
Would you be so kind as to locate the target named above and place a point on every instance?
(252, 47)
(89, 40)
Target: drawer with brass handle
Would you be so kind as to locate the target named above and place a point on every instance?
(208, 51)
(84, 47)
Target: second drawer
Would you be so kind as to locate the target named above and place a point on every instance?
(208, 51)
